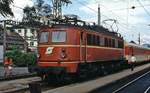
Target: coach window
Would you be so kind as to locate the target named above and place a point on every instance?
(44, 37)
(58, 36)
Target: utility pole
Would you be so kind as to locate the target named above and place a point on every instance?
(139, 39)
(4, 40)
(99, 15)
(57, 7)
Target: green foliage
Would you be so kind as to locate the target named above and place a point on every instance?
(22, 59)
(1, 65)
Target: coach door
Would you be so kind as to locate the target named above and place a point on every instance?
(83, 47)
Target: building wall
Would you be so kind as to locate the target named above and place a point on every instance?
(31, 37)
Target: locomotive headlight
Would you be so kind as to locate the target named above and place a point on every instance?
(63, 53)
(38, 55)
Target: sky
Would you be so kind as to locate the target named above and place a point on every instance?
(130, 22)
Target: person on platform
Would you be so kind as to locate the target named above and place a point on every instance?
(8, 66)
(133, 60)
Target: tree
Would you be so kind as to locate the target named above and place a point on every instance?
(35, 12)
(5, 9)
(22, 59)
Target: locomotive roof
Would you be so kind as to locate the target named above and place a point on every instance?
(95, 28)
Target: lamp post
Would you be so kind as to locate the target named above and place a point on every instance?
(4, 40)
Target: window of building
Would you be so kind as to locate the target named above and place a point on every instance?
(58, 36)
(44, 37)
(31, 37)
(32, 31)
(19, 31)
(31, 43)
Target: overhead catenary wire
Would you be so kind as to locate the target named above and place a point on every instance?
(122, 24)
(147, 5)
(101, 14)
(144, 8)
(90, 8)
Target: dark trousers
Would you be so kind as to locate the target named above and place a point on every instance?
(132, 66)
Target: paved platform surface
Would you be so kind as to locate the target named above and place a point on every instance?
(11, 85)
(93, 84)
(15, 71)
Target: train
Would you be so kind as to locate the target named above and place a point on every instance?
(84, 50)
(141, 53)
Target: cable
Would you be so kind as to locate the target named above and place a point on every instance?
(17, 7)
(143, 7)
(96, 12)
(90, 8)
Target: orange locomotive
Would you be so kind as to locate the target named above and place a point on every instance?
(78, 50)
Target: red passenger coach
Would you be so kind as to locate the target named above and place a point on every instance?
(80, 50)
(140, 53)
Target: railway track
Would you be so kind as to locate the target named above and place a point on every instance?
(138, 85)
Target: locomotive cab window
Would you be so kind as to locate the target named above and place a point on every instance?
(58, 36)
(44, 37)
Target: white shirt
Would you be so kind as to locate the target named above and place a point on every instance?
(133, 59)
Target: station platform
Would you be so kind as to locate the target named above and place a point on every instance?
(97, 83)
(15, 71)
(12, 85)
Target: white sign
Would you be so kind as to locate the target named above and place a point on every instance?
(49, 50)
(133, 59)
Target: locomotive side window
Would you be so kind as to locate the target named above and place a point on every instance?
(120, 44)
(93, 40)
(44, 37)
(97, 40)
(109, 43)
(58, 36)
(113, 42)
(106, 42)
(89, 39)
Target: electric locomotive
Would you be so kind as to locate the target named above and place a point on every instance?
(78, 49)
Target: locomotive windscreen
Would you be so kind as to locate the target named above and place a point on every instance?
(58, 36)
(44, 37)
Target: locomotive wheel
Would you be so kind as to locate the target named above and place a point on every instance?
(104, 70)
(82, 74)
(60, 77)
